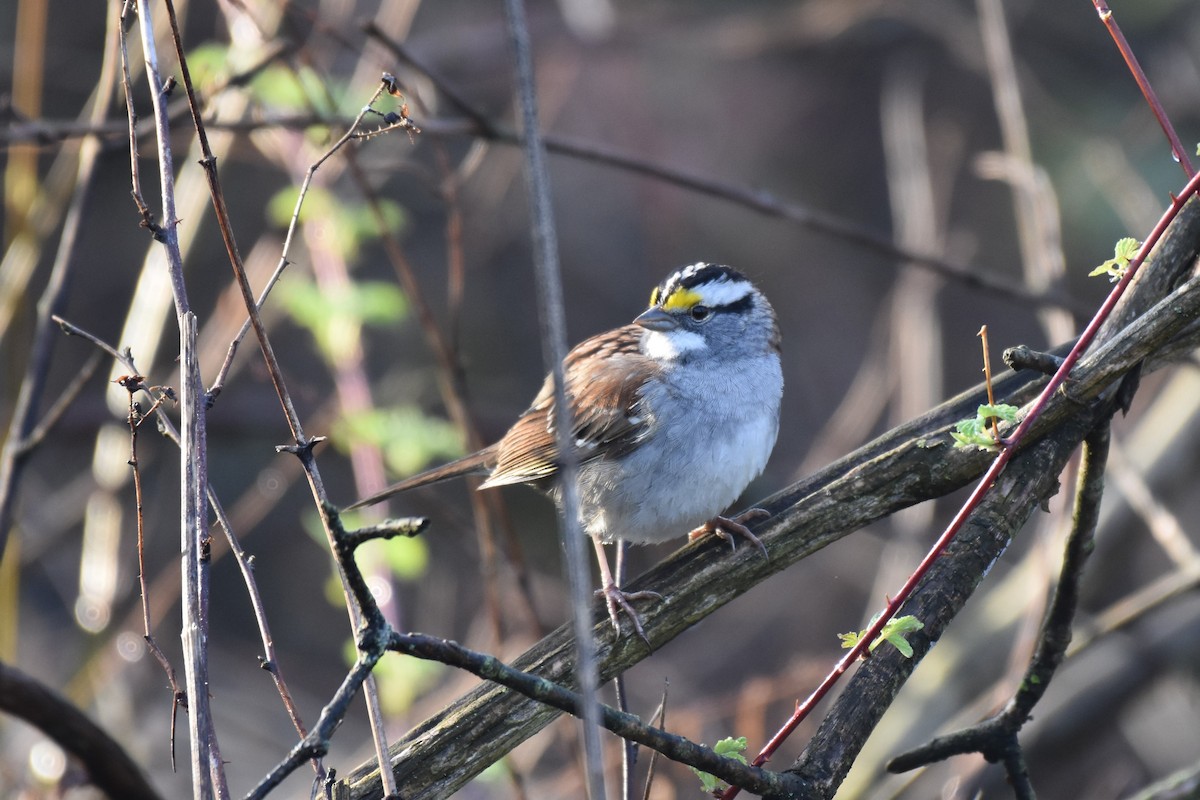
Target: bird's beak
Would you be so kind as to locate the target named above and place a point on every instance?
(655, 319)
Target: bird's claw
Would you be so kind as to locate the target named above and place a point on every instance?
(618, 601)
(729, 527)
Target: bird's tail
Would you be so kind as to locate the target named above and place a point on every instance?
(479, 463)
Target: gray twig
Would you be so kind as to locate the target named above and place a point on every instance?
(554, 352)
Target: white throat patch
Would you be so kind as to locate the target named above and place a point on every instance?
(669, 346)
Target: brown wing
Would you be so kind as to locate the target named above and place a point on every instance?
(609, 370)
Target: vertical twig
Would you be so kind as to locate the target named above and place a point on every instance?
(987, 379)
(554, 351)
(133, 384)
(208, 774)
(302, 446)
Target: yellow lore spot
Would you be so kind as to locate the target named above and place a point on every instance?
(680, 299)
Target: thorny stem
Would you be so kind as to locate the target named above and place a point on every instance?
(1160, 114)
(996, 738)
(1009, 448)
(133, 384)
(302, 445)
(245, 561)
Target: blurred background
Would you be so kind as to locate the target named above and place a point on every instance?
(1004, 137)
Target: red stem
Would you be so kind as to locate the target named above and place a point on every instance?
(1010, 446)
(1110, 22)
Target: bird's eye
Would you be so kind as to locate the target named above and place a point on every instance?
(700, 313)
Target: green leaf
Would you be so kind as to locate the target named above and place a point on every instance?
(1125, 251)
(850, 640)
(403, 680)
(347, 226)
(281, 88)
(894, 632)
(1001, 411)
(208, 65)
(335, 317)
(410, 439)
(977, 431)
(729, 748)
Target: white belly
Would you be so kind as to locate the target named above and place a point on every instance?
(703, 458)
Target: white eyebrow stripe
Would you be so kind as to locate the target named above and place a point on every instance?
(724, 293)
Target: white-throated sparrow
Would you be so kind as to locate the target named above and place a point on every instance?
(673, 416)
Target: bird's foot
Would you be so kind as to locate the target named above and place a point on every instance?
(619, 601)
(729, 527)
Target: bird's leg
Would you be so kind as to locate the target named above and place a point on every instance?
(728, 527)
(617, 600)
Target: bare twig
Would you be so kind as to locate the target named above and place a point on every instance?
(627, 726)
(754, 199)
(987, 378)
(61, 403)
(316, 743)
(269, 661)
(208, 773)
(1177, 150)
(135, 384)
(554, 353)
(1034, 205)
(302, 445)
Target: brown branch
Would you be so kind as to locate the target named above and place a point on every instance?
(1032, 478)
(134, 384)
(910, 464)
(269, 660)
(108, 764)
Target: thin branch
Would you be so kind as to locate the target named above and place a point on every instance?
(758, 200)
(208, 774)
(316, 744)
(761, 201)
(302, 445)
(269, 661)
(1177, 150)
(554, 352)
(108, 764)
(910, 464)
(134, 384)
(65, 399)
(627, 726)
